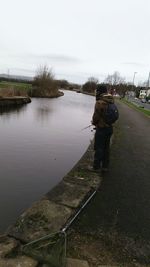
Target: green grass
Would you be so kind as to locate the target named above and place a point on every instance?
(145, 111)
(15, 85)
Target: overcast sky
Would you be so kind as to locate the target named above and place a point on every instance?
(77, 38)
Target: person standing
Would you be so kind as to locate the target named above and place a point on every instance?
(104, 130)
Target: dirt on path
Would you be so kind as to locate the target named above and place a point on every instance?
(114, 229)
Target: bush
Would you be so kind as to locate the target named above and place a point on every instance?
(90, 85)
(44, 83)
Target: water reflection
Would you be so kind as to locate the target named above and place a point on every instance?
(40, 143)
(42, 113)
(12, 109)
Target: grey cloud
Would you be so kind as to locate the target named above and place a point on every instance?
(136, 64)
(79, 77)
(21, 71)
(58, 58)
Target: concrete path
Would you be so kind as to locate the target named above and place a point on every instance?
(124, 197)
(126, 189)
(122, 204)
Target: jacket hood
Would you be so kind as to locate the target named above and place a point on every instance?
(108, 98)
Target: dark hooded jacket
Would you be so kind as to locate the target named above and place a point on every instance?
(100, 107)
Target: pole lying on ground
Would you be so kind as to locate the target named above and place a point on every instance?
(78, 212)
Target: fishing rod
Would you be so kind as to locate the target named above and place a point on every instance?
(89, 127)
(86, 127)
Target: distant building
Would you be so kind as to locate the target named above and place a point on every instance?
(131, 93)
(148, 92)
(144, 93)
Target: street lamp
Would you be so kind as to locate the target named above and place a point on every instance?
(133, 80)
(134, 77)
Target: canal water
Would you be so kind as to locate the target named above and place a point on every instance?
(39, 143)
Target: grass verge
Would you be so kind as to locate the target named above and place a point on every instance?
(9, 89)
(15, 85)
(145, 111)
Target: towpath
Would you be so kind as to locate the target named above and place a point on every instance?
(115, 227)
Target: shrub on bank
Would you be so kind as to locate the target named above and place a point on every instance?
(44, 84)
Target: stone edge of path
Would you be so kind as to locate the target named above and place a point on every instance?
(76, 263)
(50, 214)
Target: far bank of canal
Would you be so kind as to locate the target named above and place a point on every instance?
(40, 143)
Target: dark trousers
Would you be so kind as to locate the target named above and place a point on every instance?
(101, 147)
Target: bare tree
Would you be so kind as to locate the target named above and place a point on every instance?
(44, 82)
(90, 85)
(115, 79)
(108, 79)
(143, 84)
(93, 80)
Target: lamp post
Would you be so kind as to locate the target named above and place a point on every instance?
(134, 77)
(148, 81)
